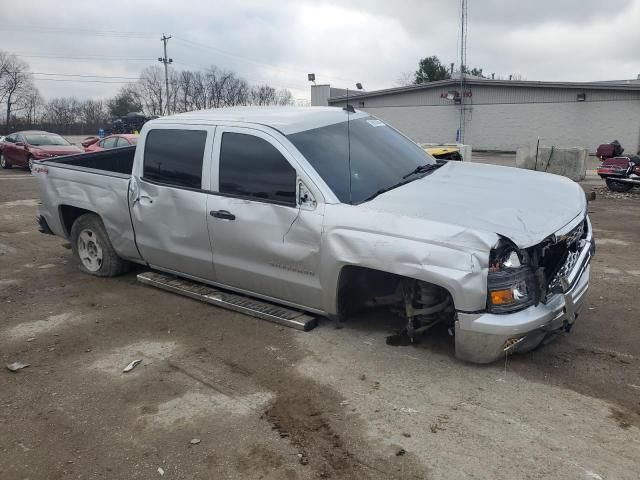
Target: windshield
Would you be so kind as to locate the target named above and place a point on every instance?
(380, 156)
(41, 139)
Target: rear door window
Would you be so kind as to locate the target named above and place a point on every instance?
(123, 142)
(174, 157)
(109, 142)
(251, 167)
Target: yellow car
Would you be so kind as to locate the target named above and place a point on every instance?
(444, 153)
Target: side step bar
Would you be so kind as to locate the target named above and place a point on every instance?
(232, 301)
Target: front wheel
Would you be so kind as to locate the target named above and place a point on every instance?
(30, 164)
(90, 243)
(4, 163)
(618, 186)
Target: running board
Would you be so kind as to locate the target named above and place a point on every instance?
(232, 301)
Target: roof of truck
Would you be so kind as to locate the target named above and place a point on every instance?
(287, 120)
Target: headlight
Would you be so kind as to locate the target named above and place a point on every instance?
(510, 289)
(510, 281)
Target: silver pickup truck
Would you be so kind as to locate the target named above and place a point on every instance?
(332, 211)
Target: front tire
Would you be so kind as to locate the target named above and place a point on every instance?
(30, 164)
(618, 186)
(4, 163)
(90, 244)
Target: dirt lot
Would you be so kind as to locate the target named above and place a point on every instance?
(267, 402)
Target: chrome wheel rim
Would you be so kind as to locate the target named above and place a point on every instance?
(89, 250)
(3, 162)
(31, 164)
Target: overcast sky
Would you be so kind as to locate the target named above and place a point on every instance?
(343, 42)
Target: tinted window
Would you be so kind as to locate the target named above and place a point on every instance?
(175, 157)
(252, 167)
(380, 156)
(10, 138)
(109, 142)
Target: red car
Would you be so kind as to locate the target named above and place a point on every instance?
(113, 141)
(22, 148)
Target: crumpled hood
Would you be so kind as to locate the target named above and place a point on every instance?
(522, 205)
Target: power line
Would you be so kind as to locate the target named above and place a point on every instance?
(81, 57)
(82, 76)
(77, 81)
(82, 31)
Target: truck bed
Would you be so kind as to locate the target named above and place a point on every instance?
(95, 182)
(116, 160)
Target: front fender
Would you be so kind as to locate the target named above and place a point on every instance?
(449, 256)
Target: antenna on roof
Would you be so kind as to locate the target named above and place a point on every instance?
(349, 109)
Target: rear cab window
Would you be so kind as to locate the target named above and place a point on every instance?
(174, 157)
(252, 168)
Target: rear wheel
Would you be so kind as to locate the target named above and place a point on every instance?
(618, 186)
(90, 243)
(4, 163)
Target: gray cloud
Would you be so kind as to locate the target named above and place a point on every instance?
(343, 42)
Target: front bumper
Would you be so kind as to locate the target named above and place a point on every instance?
(486, 337)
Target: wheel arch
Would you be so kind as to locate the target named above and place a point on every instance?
(69, 214)
(353, 278)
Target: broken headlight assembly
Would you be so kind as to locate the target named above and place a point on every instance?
(511, 284)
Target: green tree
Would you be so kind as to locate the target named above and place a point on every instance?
(430, 69)
(124, 102)
(476, 72)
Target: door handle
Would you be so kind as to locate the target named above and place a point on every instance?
(224, 214)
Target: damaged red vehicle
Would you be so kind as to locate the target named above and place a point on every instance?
(620, 173)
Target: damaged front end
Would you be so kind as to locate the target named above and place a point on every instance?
(532, 293)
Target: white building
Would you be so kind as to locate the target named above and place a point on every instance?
(504, 114)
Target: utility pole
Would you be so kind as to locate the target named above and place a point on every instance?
(166, 61)
(463, 64)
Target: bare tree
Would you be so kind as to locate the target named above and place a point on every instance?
(405, 79)
(93, 112)
(31, 104)
(65, 111)
(263, 95)
(15, 82)
(284, 97)
(150, 90)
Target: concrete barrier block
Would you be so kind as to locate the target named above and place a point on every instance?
(569, 162)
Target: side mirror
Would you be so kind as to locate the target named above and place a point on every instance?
(20, 144)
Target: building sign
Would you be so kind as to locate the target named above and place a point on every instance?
(455, 94)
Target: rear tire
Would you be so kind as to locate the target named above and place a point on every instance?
(90, 244)
(618, 186)
(4, 163)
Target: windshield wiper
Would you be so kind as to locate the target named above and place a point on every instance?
(422, 169)
(419, 169)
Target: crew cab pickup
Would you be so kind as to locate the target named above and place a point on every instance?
(332, 211)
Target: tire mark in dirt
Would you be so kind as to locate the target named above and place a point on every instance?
(310, 415)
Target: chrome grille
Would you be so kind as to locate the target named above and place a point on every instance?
(565, 270)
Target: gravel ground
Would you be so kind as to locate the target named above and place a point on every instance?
(222, 395)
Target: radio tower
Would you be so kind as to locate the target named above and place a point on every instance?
(463, 66)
